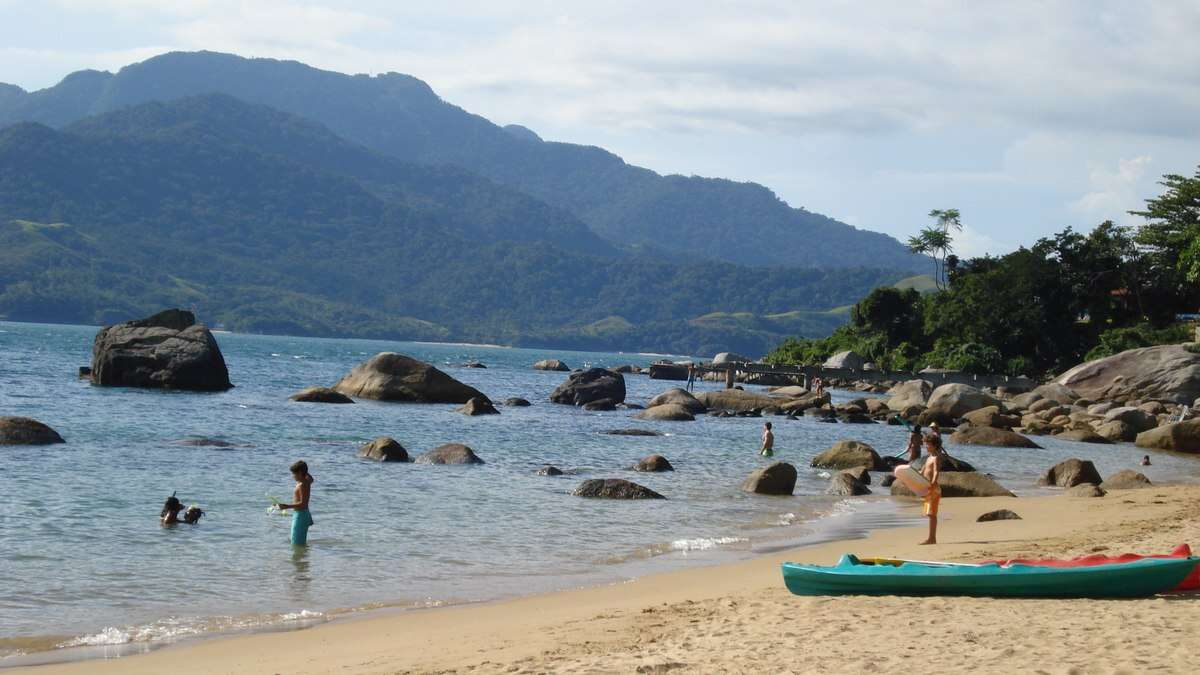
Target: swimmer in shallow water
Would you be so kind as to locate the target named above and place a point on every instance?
(170, 511)
(301, 518)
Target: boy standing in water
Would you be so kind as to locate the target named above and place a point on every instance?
(301, 518)
(931, 471)
(768, 441)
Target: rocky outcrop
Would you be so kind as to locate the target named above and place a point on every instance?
(166, 351)
(478, 406)
(736, 400)
(861, 474)
(680, 397)
(956, 400)
(848, 455)
(1024, 401)
(789, 391)
(1180, 437)
(1116, 431)
(1071, 472)
(26, 431)
(1134, 417)
(1126, 479)
(552, 365)
(998, 514)
(909, 393)
(844, 484)
(777, 479)
(614, 488)
(320, 395)
(992, 417)
(653, 464)
(516, 402)
(960, 484)
(847, 359)
(992, 436)
(584, 386)
(451, 453)
(395, 377)
(669, 412)
(1163, 373)
(384, 449)
(1056, 392)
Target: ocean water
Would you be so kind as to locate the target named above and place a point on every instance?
(84, 562)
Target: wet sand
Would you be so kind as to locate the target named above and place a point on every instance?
(739, 617)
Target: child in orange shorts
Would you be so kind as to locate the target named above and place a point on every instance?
(931, 471)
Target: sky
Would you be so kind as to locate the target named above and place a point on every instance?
(1028, 117)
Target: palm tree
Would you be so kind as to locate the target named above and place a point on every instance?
(937, 243)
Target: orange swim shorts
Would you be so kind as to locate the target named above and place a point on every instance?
(932, 499)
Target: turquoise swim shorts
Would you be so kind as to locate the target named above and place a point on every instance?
(301, 521)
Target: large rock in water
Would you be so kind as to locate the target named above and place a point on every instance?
(992, 436)
(450, 453)
(907, 394)
(844, 484)
(680, 397)
(1163, 373)
(737, 400)
(395, 377)
(848, 455)
(614, 488)
(653, 464)
(1180, 437)
(777, 479)
(960, 484)
(166, 351)
(384, 449)
(594, 384)
(26, 431)
(478, 406)
(552, 365)
(956, 400)
(1071, 472)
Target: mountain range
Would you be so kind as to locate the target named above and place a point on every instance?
(275, 197)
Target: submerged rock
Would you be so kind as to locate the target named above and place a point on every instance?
(166, 351)
(478, 406)
(603, 405)
(384, 449)
(395, 377)
(680, 397)
(450, 453)
(614, 488)
(736, 400)
(668, 412)
(549, 470)
(320, 395)
(26, 431)
(632, 432)
(517, 402)
(653, 464)
(552, 365)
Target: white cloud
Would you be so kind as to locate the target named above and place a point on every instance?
(1114, 191)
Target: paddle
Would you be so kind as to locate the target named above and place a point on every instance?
(899, 561)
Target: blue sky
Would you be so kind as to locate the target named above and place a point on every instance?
(1026, 116)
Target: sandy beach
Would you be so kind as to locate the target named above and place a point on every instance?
(739, 617)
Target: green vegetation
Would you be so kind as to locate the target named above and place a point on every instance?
(922, 283)
(1069, 298)
(262, 222)
(676, 218)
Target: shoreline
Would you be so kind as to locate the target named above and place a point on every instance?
(668, 618)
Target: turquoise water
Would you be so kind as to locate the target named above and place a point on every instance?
(83, 560)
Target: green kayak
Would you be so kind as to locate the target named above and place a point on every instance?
(851, 576)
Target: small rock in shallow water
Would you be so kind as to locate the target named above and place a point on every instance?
(384, 449)
(614, 488)
(653, 463)
(26, 431)
(549, 470)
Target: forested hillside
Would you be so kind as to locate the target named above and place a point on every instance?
(399, 115)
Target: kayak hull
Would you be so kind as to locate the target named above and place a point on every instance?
(1134, 579)
(1190, 583)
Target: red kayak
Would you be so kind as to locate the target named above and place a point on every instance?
(1191, 583)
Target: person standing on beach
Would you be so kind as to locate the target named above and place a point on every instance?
(932, 471)
(301, 518)
(768, 441)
